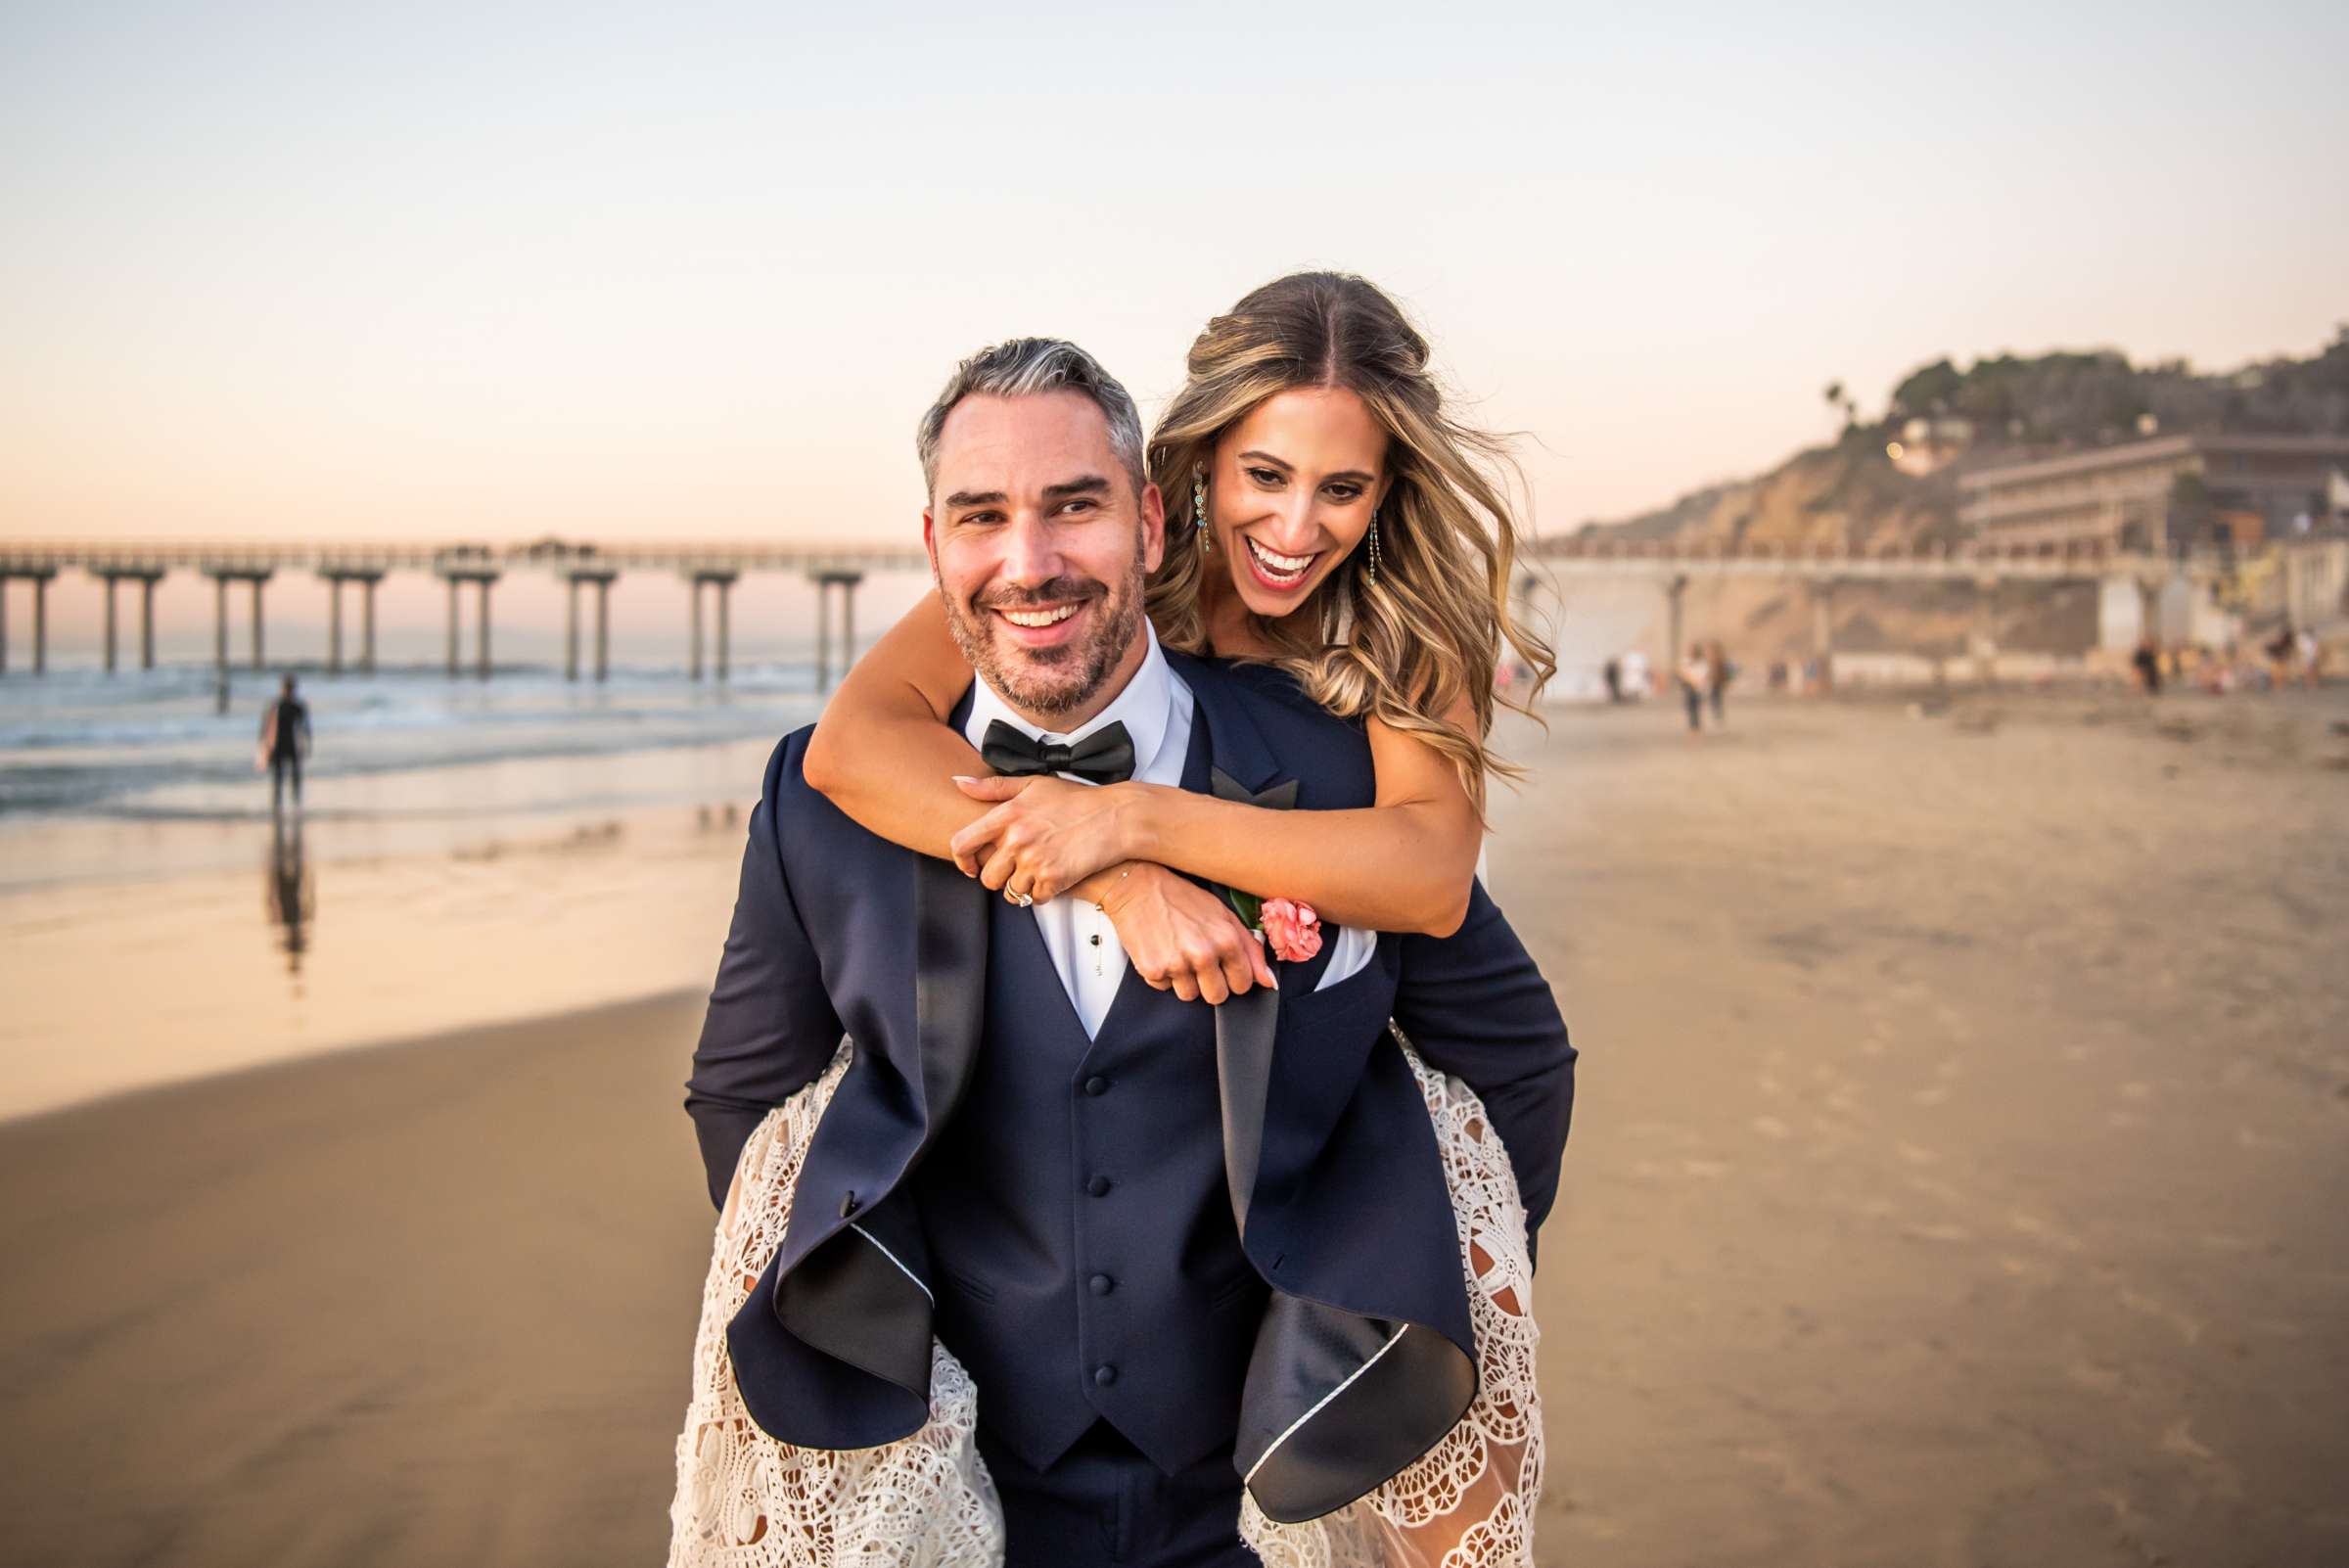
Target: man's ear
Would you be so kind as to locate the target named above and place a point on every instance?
(1154, 527)
(930, 540)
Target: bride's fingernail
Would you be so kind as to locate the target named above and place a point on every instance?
(964, 778)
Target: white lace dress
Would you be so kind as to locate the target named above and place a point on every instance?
(745, 1500)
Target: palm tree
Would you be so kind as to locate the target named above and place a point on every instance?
(1847, 408)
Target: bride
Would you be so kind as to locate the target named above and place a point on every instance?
(1328, 515)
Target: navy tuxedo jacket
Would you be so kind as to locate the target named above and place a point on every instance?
(1365, 1357)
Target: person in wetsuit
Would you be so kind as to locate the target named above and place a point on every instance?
(285, 742)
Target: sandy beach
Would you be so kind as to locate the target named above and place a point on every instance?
(1957, 1174)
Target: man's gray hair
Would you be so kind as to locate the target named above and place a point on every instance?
(1021, 368)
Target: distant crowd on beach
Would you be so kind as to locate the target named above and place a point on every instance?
(2292, 656)
(1703, 678)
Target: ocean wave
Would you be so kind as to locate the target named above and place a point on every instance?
(89, 744)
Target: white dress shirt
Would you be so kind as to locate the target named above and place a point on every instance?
(1156, 709)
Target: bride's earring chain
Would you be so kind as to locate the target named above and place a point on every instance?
(1207, 538)
(1374, 544)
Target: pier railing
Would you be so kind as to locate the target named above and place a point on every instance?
(1936, 562)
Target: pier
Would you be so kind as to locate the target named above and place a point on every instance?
(465, 565)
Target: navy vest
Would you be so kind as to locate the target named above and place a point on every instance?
(1077, 1220)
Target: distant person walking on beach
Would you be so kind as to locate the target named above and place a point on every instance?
(1716, 678)
(1636, 685)
(285, 742)
(1696, 674)
(2147, 660)
(1614, 677)
(2278, 650)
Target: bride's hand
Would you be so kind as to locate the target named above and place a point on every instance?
(1181, 936)
(1047, 834)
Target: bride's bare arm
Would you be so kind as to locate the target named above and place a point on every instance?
(884, 755)
(883, 751)
(1405, 863)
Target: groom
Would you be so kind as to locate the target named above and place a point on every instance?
(1176, 1245)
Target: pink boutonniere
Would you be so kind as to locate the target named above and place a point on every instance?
(1291, 929)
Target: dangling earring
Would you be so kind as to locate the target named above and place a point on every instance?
(1207, 539)
(1374, 544)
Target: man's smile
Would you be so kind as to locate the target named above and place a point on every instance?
(1040, 626)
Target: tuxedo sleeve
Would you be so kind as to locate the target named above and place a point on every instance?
(1474, 1005)
(770, 1028)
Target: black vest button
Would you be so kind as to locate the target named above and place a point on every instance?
(1098, 1187)
(1105, 1375)
(1096, 1084)
(1102, 1284)
(848, 1204)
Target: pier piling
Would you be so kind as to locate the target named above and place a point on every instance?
(825, 582)
(222, 575)
(366, 577)
(480, 574)
(721, 582)
(38, 576)
(601, 577)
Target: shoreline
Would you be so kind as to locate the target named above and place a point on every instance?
(160, 979)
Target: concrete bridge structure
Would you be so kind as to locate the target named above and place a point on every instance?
(1672, 566)
(467, 567)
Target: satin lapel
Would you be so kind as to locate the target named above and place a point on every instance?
(949, 984)
(950, 972)
(1228, 758)
(1246, 1026)
(858, 1296)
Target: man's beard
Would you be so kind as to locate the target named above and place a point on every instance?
(1050, 682)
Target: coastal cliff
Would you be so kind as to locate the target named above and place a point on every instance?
(1889, 483)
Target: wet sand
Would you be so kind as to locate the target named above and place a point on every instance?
(465, 905)
(1957, 1179)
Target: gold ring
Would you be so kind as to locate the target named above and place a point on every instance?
(1020, 898)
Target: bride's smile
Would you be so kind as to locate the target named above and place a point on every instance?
(1295, 486)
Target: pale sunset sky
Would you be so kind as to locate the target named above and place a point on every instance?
(496, 270)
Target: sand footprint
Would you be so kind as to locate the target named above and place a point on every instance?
(2186, 1326)
(2039, 1231)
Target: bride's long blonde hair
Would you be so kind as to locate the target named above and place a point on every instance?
(1433, 626)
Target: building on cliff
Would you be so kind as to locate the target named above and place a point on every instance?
(1929, 443)
(2173, 490)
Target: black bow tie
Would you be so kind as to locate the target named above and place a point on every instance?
(1105, 757)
